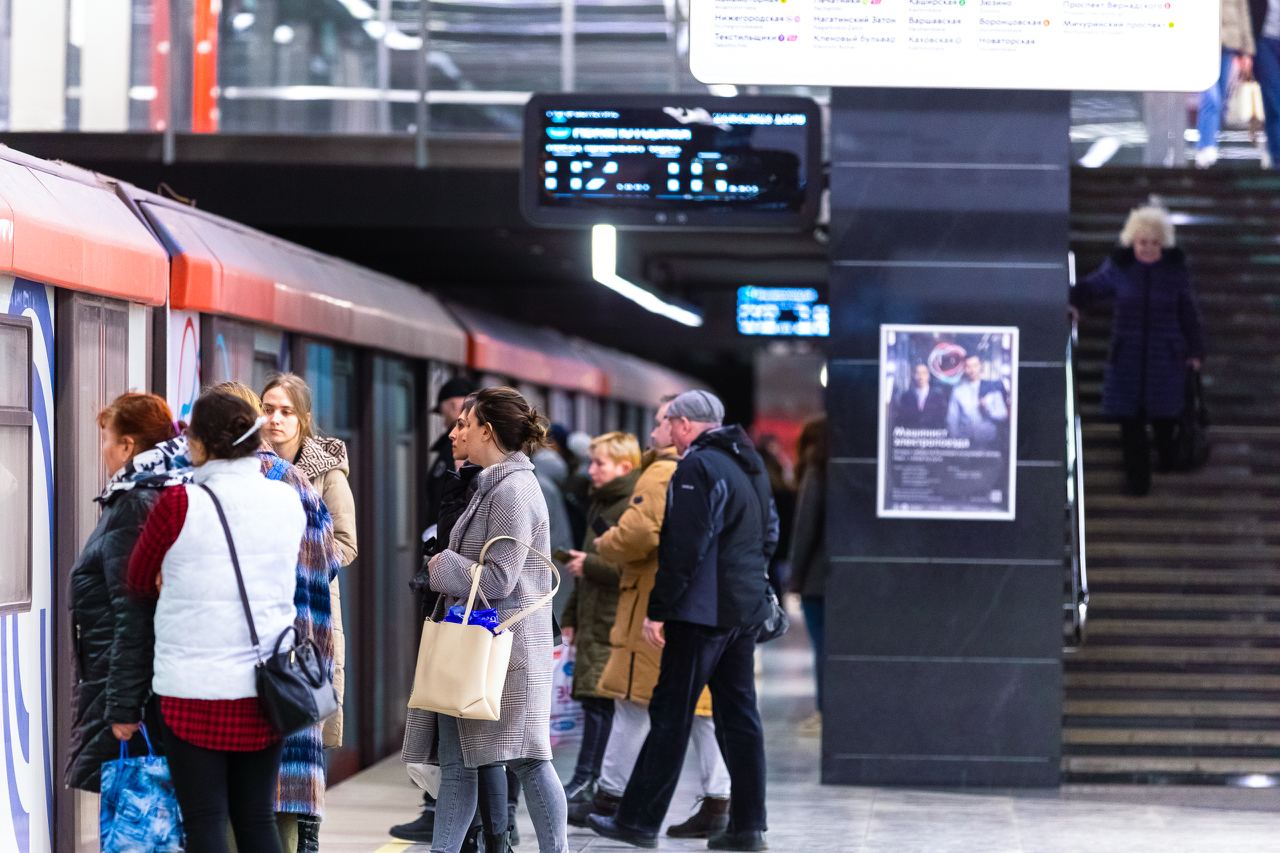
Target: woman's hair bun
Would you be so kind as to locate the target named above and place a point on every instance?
(516, 425)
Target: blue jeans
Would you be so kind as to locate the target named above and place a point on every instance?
(1266, 67)
(814, 609)
(459, 790)
(1212, 101)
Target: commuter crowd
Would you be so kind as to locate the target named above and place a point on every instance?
(207, 618)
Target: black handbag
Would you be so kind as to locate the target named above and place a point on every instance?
(776, 624)
(294, 688)
(1190, 441)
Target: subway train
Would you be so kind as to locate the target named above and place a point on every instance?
(104, 288)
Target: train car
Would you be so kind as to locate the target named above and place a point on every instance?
(80, 280)
(108, 288)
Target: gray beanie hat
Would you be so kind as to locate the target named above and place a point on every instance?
(699, 406)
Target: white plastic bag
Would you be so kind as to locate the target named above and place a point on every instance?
(566, 713)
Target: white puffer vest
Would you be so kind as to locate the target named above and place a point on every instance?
(203, 649)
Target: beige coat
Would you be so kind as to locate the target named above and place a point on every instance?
(1237, 28)
(633, 666)
(324, 461)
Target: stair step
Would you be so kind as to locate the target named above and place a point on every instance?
(1144, 527)
(1178, 655)
(1172, 708)
(1101, 551)
(1200, 628)
(1170, 737)
(1134, 764)
(1189, 681)
(1159, 503)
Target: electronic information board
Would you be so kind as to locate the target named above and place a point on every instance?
(671, 161)
(782, 312)
(1104, 45)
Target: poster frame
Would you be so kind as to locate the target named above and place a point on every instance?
(884, 398)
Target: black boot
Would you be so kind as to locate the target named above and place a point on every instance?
(471, 842)
(308, 834)
(512, 830)
(580, 789)
(500, 843)
(711, 818)
(604, 804)
(419, 830)
(750, 841)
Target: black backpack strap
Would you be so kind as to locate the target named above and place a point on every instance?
(235, 562)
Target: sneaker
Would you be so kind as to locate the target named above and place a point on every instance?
(1206, 157)
(711, 818)
(810, 726)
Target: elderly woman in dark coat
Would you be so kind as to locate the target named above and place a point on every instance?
(497, 434)
(1156, 335)
(113, 634)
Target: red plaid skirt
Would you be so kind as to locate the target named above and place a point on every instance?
(225, 725)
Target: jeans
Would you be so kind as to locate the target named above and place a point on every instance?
(1212, 101)
(597, 721)
(213, 786)
(459, 791)
(1266, 68)
(814, 610)
(697, 656)
(1136, 449)
(631, 727)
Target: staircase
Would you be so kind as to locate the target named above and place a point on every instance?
(1178, 680)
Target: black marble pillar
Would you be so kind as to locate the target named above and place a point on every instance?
(944, 637)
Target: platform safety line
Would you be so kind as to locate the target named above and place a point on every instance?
(394, 847)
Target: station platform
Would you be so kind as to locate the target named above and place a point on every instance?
(806, 817)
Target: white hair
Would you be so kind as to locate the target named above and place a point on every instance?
(1150, 219)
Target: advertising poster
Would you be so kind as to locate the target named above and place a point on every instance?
(948, 422)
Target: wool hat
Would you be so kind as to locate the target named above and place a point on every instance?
(698, 406)
(458, 386)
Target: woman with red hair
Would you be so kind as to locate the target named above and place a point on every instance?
(112, 631)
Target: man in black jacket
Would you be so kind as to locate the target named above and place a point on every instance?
(448, 407)
(709, 598)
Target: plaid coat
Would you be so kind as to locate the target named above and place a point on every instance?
(508, 502)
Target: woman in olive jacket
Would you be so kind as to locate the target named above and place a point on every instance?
(112, 631)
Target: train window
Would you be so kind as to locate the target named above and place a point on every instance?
(15, 463)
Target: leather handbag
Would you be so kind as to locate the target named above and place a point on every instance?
(294, 687)
(462, 668)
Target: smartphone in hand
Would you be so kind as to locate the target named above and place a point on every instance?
(561, 555)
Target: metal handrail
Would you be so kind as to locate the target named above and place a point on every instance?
(1078, 604)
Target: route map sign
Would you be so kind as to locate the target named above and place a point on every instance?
(1101, 45)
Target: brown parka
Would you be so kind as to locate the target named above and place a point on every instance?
(632, 669)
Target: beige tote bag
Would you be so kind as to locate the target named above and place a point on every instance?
(462, 668)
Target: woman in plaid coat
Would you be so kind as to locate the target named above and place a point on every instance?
(497, 434)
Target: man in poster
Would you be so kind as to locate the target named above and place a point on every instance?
(948, 422)
(921, 406)
(977, 410)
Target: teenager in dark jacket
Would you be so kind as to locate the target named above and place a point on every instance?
(1156, 335)
(809, 559)
(708, 601)
(593, 604)
(112, 631)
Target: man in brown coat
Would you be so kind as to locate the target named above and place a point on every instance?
(632, 668)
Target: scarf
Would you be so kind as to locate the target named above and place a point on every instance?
(166, 464)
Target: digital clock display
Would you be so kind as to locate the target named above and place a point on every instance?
(659, 161)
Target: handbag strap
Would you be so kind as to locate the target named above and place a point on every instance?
(235, 562)
(510, 621)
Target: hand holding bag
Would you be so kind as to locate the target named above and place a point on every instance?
(462, 668)
(294, 688)
(139, 809)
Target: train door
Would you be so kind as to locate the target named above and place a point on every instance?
(101, 352)
(331, 372)
(586, 413)
(391, 547)
(560, 407)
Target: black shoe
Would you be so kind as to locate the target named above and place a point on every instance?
(609, 828)
(712, 818)
(751, 840)
(604, 804)
(471, 841)
(512, 831)
(500, 843)
(580, 789)
(419, 830)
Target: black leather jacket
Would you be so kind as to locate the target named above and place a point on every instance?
(114, 638)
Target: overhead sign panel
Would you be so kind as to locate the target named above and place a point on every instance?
(671, 161)
(1104, 45)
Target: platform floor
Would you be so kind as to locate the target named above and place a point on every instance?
(807, 817)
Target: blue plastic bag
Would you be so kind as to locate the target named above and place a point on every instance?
(139, 809)
(487, 618)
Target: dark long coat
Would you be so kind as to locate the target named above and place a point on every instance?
(1155, 328)
(114, 638)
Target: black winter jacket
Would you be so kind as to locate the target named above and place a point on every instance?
(114, 638)
(718, 535)
(457, 487)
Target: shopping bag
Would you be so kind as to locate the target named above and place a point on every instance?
(138, 812)
(1191, 431)
(566, 713)
(1244, 106)
(462, 668)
